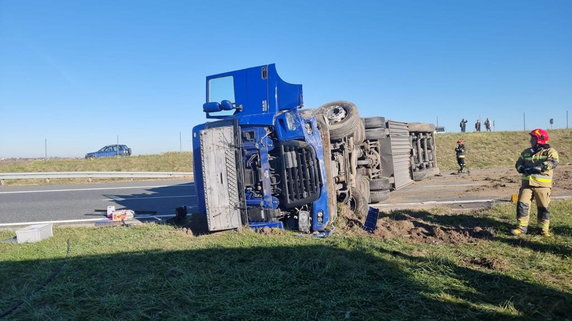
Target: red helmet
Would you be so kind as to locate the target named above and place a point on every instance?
(541, 135)
(460, 141)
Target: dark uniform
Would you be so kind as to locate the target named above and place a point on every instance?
(460, 152)
(536, 164)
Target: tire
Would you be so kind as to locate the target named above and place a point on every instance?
(378, 196)
(129, 152)
(343, 118)
(375, 133)
(374, 122)
(380, 184)
(421, 127)
(363, 185)
(358, 203)
(359, 134)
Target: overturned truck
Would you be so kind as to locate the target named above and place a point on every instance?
(264, 161)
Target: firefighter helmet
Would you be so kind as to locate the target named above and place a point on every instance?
(541, 135)
(460, 141)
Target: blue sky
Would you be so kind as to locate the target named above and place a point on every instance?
(82, 73)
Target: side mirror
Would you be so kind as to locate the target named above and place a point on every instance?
(211, 107)
(226, 105)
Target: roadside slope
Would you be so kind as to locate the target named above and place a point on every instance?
(496, 149)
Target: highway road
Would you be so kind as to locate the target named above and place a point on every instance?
(19, 204)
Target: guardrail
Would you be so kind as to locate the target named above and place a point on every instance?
(90, 175)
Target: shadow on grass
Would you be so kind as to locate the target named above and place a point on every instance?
(272, 283)
(501, 229)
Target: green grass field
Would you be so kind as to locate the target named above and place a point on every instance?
(167, 162)
(496, 149)
(484, 150)
(164, 272)
(168, 272)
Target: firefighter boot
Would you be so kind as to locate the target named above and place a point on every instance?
(545, 225)
(521, 228)
(522, 219)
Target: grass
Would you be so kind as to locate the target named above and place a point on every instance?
(167, 162)
(496, 149)
(170, 162)
(484, 150)
(153, 272)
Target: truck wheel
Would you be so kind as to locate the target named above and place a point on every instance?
(378, 196)
(380, 184)
(358, 203)
(375, 133)
(343, 118)
(363, 185)
(359, 134)
(374, 122)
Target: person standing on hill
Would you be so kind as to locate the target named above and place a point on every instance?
(463, 125)
(488, 125)
(478, 125)
(536, 164)
(460, 152)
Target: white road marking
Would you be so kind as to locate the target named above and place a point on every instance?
(87, 220)
(88, 189)
(437, 202)
(145, 198)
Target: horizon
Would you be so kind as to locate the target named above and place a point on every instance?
(56, 157)
(85, 74)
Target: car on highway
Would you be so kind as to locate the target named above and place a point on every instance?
(110, 151)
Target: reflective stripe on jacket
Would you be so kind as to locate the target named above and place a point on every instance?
(546, 158)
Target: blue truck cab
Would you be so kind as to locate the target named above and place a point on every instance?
(259, 161)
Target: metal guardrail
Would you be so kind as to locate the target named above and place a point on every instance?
(51, 175)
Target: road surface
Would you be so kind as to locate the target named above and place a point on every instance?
(72, 202)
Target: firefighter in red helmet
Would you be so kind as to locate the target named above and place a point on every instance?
(536, 164)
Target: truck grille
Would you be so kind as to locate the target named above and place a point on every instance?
(301, 179)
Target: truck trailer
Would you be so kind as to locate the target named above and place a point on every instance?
(264, 161)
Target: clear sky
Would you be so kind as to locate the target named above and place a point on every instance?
(83, 73)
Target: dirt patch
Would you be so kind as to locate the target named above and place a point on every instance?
(191, 225)
(491, 264)
(419, 230)
(417, 227)
(269, 231)
(505, 181)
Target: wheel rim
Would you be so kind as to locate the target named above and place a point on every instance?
(336, 114)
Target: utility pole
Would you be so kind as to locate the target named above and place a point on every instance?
(117, 146)
(524, 120)
(45, 149)
(566, 119)
(180, 142)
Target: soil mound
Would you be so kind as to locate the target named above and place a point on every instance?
(417, 227)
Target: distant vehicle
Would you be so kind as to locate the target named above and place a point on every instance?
(110, 151)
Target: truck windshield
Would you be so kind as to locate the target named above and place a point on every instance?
(221, 89)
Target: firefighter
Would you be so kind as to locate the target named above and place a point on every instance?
(536, 164)
(460, 152)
